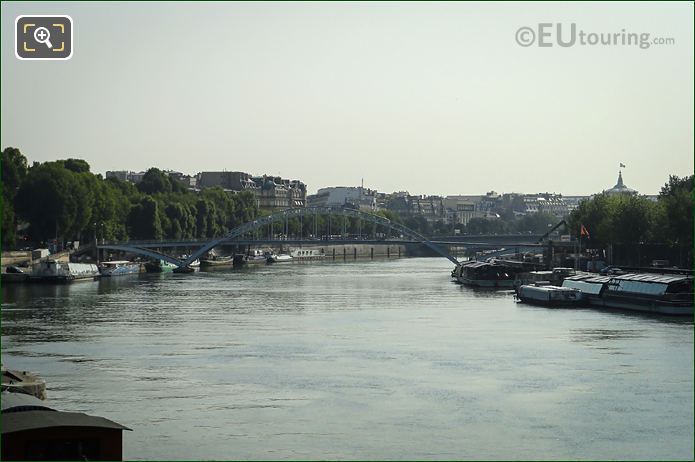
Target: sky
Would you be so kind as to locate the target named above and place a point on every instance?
(429, 98)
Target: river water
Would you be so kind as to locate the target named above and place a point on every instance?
(360, 360)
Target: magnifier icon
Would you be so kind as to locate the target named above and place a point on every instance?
(42, 35)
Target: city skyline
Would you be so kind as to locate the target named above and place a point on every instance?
(429, 98)
(312, 190)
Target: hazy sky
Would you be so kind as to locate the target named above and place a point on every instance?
(428, 98)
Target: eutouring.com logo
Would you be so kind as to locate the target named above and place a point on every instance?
(548, 34)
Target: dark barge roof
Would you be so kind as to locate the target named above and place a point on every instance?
(22, 412)
(31, 420)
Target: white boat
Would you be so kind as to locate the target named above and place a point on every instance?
(547, 295)
(194, 264)
(118, 268)
(552, 277)
(307, 254)
(279, 258)
(257, 256)
(53, 271)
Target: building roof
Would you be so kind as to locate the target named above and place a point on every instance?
(620, 187)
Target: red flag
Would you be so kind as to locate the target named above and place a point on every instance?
(584, 232)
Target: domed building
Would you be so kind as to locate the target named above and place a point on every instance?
(620, 187)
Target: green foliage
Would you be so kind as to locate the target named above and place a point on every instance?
(144, 220)
(14, 170)
(55, 201)
(76, 165)
(63, 199)
(676, 217)
(627, 219)
(155, 181)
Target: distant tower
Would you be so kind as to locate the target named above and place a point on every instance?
(620, 187)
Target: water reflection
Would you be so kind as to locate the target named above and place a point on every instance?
(596, 335)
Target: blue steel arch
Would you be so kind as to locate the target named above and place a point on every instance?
(278, 217)
(141, 251)
(290, 213)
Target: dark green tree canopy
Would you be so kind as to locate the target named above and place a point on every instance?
(155, 181)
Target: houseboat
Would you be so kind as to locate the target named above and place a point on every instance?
(546, 295)
(33, 431)
(591, 285)
(216, 260)
(648, 292)
(118, 268)
(654, 293)
(550, 277)
(54, 271)
(485, 274)
(279, 258)
(307, 254)
(257, 256)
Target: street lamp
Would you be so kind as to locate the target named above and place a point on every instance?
(96, 243)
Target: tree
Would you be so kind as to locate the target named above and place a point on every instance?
(595, 215)
(55, 201)
(154, 181)
(14, 170)
(676, 200)
(76, 165)
(631, 219)
(144, 221)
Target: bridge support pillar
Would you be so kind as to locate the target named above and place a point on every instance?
(372, 253)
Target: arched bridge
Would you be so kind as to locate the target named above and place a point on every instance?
(279, 217)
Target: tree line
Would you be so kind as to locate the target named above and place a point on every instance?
(62, 200)
(632, 219)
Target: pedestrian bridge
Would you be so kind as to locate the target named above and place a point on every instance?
(240, 235)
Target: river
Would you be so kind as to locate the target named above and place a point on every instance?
(375, 359)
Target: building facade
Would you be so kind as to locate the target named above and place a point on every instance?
(356, 197)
